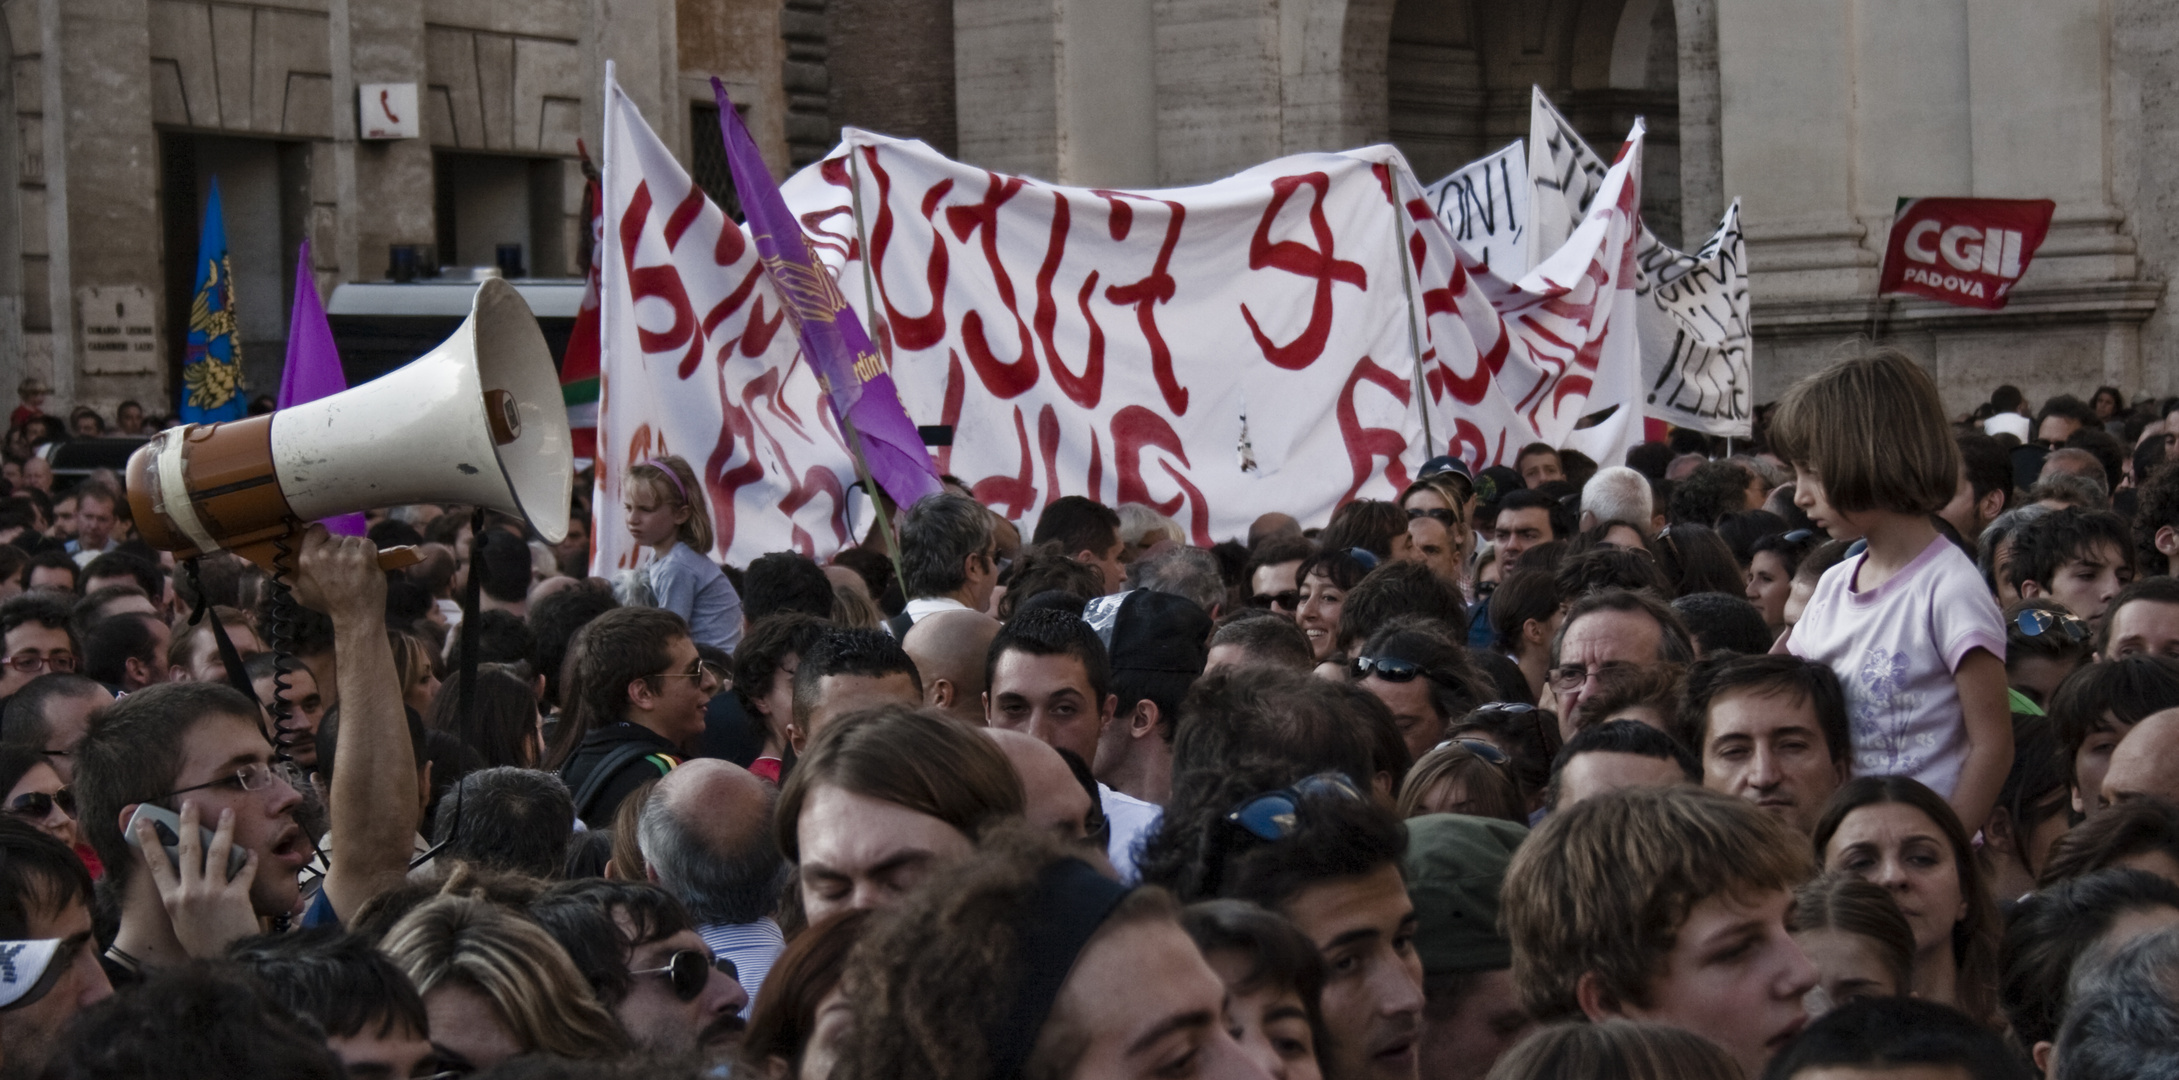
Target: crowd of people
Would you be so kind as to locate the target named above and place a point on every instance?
(1848, 750)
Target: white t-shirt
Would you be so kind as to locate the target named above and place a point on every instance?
(1895, 649)
(1132, 821)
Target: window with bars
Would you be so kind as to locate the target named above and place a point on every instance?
(707, 159)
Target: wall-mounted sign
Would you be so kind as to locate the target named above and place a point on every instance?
(120, 330)
(388, 111)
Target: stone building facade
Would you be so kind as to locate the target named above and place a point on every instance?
(1817, 114)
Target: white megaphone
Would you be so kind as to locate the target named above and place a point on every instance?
(477, 421)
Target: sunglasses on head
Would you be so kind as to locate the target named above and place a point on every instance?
(1289, 599)
(1386, 668)
(2035, 622)
(37, 804)
(1439, 514)
(1274, 815)
(1477, 747)
(1800, 536)
(690, 971)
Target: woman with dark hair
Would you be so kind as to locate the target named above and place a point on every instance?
(1895, 832)
(1854, 933)
(2108, 405)
(36, 796)
(1772, 562)
(802, 1017)
(1273, 976)
(502, 724)
(412, 665)
(1325, 578)
(1695, 560)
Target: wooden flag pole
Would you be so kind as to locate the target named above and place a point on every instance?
(847, 426)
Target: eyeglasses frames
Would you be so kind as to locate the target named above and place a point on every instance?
(1274, 815)
(690, 971)
(256, 776)
(38, 804)
(34, 664)
(2035, 622)
(1387, 668)
(703, 667)
(1289, 600)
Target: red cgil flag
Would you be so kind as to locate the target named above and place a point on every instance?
(1969, 252)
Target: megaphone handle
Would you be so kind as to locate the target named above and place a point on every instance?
(396, 558)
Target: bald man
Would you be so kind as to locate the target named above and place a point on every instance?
(1272, 524)
(2145, 764)
(706, 834)
(949, 648)
(1057, 801)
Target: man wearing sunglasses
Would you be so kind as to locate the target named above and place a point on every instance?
(635, 946)
(646, 690)
(1272, 569)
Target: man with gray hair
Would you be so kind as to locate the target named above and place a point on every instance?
(1189, 572)
(507, 819)
(2124, 1020)
(1617, 494)
(706, 834)
(948, 558)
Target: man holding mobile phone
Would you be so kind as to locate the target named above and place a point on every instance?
(200, 750)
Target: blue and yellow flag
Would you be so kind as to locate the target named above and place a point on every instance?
(212, 365)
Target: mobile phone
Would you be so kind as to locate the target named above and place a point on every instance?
(168, 826)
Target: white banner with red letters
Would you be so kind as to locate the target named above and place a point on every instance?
(698, 360)
(1221, 351)
(1218, 352)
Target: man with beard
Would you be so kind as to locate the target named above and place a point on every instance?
(643, 959)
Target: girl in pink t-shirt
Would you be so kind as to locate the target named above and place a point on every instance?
(1908, 625)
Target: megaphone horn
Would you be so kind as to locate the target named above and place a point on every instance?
(477, 421)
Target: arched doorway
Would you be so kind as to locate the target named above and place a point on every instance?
(1458, 74)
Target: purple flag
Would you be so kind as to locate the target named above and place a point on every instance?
(856, 381)
(313, 365)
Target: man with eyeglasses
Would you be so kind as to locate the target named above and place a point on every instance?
(34, 639)
(634, 944)
(1612, 626)
(204, 752)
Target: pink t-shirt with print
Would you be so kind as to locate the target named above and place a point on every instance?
(1895, 649)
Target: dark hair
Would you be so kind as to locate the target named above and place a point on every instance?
(1048, 633)
(2042, 546)
(848, 651)
(49, 560)
(1278, 956)
(585, 918)
(2068, 406)
(502, 638)
(2105, 448)
(554, 621)
(768, 641)
(1285, 716)
(1521, 596)
(2051, 928)
(785, 1016)
(1455, 685)
(1266, 634)
(337, 980)
(1675, 644)
(784, 581)
(1526, 499)
(942, 531)
(1694, 559)
(1990, 467)
(118, 639)
(133, 753)
(1974, 937)
(2127, 689)
(1724, 623)
(502, 721)
(1046, 569)
(1333, 837)
(616, 648)
(1714, 489)
(1604, 566)
(1889, 1033)
(1622, 737)
(1400, 590)
(1529, 735)
(1077, 524)
(39, 877)
(511, 819)
(504, 563)
(1369, 524)
(1771, 674)
(2156, 507)
(1741, 530)
(145, 574)
(1276, 549)
(1847, 904)
(1337, 565)
(42, 608)
(1789, 552)
(2111, 834)
(199, 1019)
